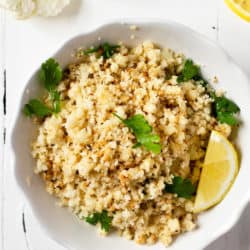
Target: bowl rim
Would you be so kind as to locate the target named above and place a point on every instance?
(235, 216)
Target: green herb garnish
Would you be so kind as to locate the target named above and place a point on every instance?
(101, 218)
(182, 187)
(91, 50)
(191, 71)
(50, 74)
(36, 107)
(143, 133)
(225, 110)
(56, 101)
(106, 50)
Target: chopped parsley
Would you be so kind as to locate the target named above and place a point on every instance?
(191, 71)
(182, 187)
(106, 50)
(56, 101)
(36, 107)
(225, 110)
(143, 133)
(50, 75)
(101, 218)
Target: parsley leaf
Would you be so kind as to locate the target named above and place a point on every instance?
(201, 80)
(50, 74)
(228, 118)
(138, 124)
(225, 110)
(56, 101)
(102, 218)
(223, 104)
(109, 50)
(143, 133)
(182, 187)
(91, 50)
(106, 50)
(93, 219)
(36, 107)
(190, 70)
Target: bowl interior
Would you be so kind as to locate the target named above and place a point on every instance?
(58, 222)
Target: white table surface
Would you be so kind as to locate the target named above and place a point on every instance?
(25, 44)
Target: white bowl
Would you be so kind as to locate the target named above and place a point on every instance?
(57, 222)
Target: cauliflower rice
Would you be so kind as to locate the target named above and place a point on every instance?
(85, 154)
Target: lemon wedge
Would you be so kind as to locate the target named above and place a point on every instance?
(240, 8)
(218, 173)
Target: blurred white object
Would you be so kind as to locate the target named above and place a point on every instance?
(50, 7)
(26, 8)
(21, 8)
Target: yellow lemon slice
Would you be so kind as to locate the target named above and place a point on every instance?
(240, 8)
(218, 173)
